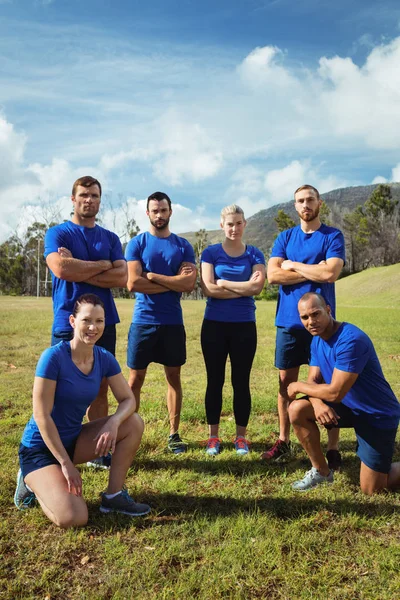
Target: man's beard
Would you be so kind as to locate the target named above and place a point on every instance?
(163, 225)
(311, 215)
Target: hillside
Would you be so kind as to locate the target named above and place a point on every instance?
(261, 227)
(376, 287)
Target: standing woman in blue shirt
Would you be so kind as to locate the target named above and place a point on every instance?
(68, 378)
(231, 274)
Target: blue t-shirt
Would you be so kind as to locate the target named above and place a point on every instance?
(75, 391)
(309, 248)
(238, 268)
(163, 256)
(352, 351)
(85, 243)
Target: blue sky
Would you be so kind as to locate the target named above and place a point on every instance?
(213, 102)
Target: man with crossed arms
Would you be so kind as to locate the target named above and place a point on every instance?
(305, 258)
(85, 258)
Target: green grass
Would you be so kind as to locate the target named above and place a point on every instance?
(227, 527)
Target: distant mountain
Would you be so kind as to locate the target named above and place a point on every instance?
(261, 228)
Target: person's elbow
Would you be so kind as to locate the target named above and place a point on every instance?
(335, 394)
(273, 277)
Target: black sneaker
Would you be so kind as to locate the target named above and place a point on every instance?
(334, 459)
(23, 498)
(101, 462)
(279, 452)
(175, 444)
(124, 504)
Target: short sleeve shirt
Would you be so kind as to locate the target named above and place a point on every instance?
(74, 392)
(352, 351)
(308, 248)
(163, 256)
(85, 243)
(238, 268)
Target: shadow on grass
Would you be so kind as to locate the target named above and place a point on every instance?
(181, 509)
(229, 462)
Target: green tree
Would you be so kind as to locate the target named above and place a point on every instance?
(283, 221)
(200, 244)
(325, 213)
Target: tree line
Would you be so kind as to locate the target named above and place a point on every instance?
(371, 232)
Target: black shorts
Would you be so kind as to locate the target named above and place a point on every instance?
(164, 344)
(32, 459)
(292, 348)
(375, 446)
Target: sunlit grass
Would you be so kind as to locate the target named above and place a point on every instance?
(227, 527)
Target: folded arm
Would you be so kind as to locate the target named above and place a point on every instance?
(43, 402)
(138, 282)
(117, 276)
(251, 287)
(277, 275)
(64, 266)
(210, 288)
(184, 281)
(327, 271)
(341, 383)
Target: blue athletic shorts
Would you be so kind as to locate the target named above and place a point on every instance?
(32, 459)
(375, 447)
(108, 339)
(164, 344)
(292, 348)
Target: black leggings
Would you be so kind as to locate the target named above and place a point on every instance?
(239, 341)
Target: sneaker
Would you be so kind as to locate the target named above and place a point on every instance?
(311, 479)
(123, 504)
(279, 452)
(334, 459)
(213, 446)
(23, 498)
(175, 444)
(241, 445)
(101, 462)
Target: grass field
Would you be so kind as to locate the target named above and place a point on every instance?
(227, 527)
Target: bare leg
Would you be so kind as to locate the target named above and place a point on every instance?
(372, 481)
(333, 438)
(241, 431)
(174, 397)
(99, 407)
(51, 490)
(302, 417)
(128, 440)
(136, 381)
(394, 476)
(213, 430)
(285, 377)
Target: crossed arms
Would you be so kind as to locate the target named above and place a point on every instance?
(102, 273)
(289, 272)
(155, 283)
(225, 289)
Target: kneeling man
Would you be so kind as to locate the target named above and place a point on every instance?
(345, 388)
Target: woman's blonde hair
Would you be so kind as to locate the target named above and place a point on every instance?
(232, 209)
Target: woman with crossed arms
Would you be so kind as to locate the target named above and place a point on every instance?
(231, 274)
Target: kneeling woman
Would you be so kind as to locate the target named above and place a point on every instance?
(231, 273)
(68, 378)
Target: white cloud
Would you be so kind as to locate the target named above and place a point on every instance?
(379, 179)
(396, 173)
(184, 152)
